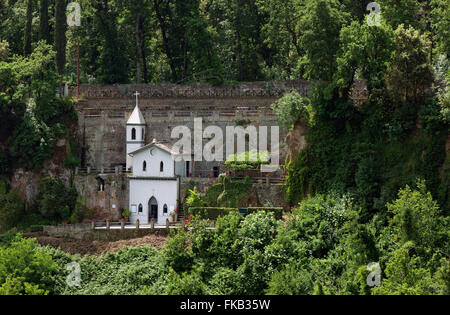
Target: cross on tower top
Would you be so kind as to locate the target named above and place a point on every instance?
(137, 99)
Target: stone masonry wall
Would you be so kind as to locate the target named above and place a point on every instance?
(104, 110)
(111, 200)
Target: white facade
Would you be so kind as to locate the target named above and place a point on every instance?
(143, 191)
(154, 187)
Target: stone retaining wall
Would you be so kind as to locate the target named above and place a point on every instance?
(85, 232)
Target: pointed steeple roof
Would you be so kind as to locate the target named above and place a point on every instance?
(136, 117)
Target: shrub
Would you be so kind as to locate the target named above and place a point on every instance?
(415, 214)
(31, 274)
(291, 280)
(277, 211)
(247, 160)
(126, 214)
(12, 209)
(187, 283)
(54, 198)
(291, 108)
(405, 277)
(212, 213)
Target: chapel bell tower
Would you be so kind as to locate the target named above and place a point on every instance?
(135, 131)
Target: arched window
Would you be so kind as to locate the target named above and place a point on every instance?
(141, 208)
(101, 184)
(161, 167)
(133, 134)
(144, 166)
(143, 134)
(165, 209)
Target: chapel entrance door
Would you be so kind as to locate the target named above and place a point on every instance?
(153, 210)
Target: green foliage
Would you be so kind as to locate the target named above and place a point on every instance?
(291, 280)
(126, 214)
(25, 268)
(364, 52)
(213, 41)
(409, 74)
(187, 283)
(227, 194)
(405, 277)
(249, 160)
(400, 12)
(34, 124)
(441, 25)
(129, 271)
(210, 213)
(290, 109)
(4, 50)
(55, 200)
(193, 198)
(12, 208)
(416, 218)
(321, 24)
(277, 211)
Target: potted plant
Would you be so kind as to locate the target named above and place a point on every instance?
(173, 215)
(126, 214)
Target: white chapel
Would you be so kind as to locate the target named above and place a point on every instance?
(155, 180)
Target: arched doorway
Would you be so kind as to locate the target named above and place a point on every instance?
(153, 209)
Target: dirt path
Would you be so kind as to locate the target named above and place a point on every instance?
(96, 247)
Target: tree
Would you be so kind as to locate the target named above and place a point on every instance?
(54, 196)
(409, 74)
(441, 25)
(112, 62)
(60, 38)
(365, 51)
(321, 23)
(283, 32)
(404, 276)
(4, 50)
(44, 27)
(27, 40)
(12, 209)
(186, 40)
(415, 216)
(237, 25)
(404, 12)
(290, 109)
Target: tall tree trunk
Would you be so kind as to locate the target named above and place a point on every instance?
(138, 50)
(60, 38)
(44, 30)
(143, 54)
(27, 45)
(239, 47)
(162, 25)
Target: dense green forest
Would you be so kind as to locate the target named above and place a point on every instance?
(371, 186)
(205, 40)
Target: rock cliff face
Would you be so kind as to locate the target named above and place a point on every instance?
(27, 181)
(296, 139)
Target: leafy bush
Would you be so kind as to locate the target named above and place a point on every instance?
(290, 109)
(249, 160)
(277, 211)
(31, 274)
(415, 217)
(211, 213)
(12, 208)
(55, 199)
(129, 271)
